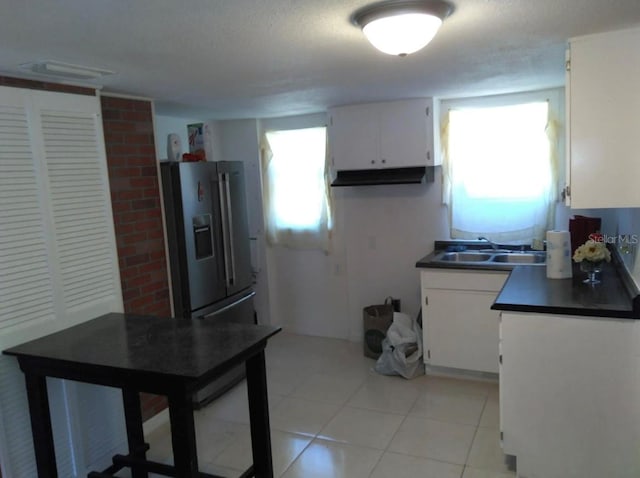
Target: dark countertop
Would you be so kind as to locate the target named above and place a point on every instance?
(528, 290)
(185, 349)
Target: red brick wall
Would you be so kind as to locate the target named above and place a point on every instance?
(135, 196)
(43, 85)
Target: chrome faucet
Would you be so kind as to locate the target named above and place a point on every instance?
(493, 245)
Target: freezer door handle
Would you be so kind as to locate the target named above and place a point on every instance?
(230, 306)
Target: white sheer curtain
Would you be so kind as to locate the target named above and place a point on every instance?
(500, 171)
(296, 195)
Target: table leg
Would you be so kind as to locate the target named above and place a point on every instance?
(135, 432)
(41, 425)
(183, 435)
(259, 416)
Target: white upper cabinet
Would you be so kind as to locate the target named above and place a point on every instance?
(603, 113)
(394, 134)
(354, 137)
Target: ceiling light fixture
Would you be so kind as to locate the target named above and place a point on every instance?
(66, 70)
(401, 27)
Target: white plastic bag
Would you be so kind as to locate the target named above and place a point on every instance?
(402, 348)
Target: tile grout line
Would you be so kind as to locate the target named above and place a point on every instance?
(284, 472)
(475, 433)
(386, 450)
(341, 406)
(408, 416)
(316, 435)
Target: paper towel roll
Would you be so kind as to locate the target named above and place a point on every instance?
(559, 255)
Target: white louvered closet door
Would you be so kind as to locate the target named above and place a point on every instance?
(58, 266)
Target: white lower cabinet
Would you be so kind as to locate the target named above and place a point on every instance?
(570, 395)
(460, 329)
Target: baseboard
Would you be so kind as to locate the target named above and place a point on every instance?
(435, 370)
(156, 421)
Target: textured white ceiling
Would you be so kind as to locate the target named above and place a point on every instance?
(264, 58)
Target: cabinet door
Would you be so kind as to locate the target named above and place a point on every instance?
(59, 267)
(569, 395)
(461, 329)
(406, 133)
(354, 137)
(605, 112)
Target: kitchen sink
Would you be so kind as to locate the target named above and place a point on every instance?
(490, 257)
(520, 258)
(464, 257)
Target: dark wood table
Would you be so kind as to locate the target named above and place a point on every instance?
(164, 356)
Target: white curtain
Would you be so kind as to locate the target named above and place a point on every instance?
(500, 172)
(296, 191)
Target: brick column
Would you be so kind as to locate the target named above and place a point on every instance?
(135, 197)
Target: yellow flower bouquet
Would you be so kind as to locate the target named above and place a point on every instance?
(592, 251)
(591, 255)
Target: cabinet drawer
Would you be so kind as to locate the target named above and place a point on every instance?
(490, 281)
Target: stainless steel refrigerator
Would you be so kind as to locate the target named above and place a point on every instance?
(209, 251)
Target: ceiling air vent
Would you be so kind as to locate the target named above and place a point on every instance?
(66, 70)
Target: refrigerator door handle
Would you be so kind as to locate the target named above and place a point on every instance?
(232, 252)
(225, 228)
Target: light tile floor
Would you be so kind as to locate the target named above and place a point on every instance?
(332, 416)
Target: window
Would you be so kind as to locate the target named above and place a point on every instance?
(296, 194)
(500, 171)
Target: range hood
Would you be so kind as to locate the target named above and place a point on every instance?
(373, 177)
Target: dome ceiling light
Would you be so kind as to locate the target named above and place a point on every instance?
(401, 28)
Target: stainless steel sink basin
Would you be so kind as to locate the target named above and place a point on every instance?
(464, 257)
(488, 258)
(520, 258)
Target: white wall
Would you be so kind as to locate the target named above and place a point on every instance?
(388, 229)
(307, 289)
(238, 141)
(627, 222)
(380, 232)
(164, 125)
(231, 141)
